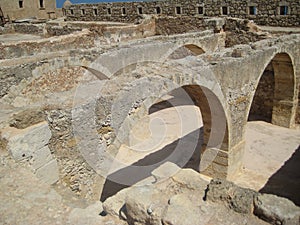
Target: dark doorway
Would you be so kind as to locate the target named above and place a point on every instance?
(262, 104)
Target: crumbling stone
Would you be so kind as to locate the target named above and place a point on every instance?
(236, 198)
(276, 210)
(27, 118)
(131, 11)
(31, 144)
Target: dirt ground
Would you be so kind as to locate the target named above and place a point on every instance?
(271, 164)
(4, 38)
(271, 160)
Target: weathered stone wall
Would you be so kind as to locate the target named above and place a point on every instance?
(274, 13)
(239, 31)
(28, 28)
(54, 44)
(171, 25)
(61, 30)
(25, 9)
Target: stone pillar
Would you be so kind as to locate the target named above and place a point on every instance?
(285, 103)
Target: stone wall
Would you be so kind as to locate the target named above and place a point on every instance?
(24, 9)
(171, 25)
(274, 13)
(239, 31)
(53, 44)
(25, 28)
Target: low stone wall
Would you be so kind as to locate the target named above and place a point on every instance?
(60, 30)
(273, 13)
(25, 28)
(53, 44)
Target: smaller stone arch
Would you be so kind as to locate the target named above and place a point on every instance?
(275, 98)
(186, 50)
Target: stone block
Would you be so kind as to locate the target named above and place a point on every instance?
(191, 179)
(24, 143)
(40, 157)
(114, 205)
(234, 197)
(276, 210)
(145, 205)
(49, 172)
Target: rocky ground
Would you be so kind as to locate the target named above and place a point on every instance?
(27, 200)
(176, 200)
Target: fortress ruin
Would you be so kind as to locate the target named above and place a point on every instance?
(158, 109)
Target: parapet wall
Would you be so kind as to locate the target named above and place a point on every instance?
(267, 12)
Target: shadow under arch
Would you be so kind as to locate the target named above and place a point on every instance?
(275, 102)
(208, 141)
(186, 50)
(275, 96)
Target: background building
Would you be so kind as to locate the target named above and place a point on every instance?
(23, 9)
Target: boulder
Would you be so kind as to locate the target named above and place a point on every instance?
(188, 208)
(276, 210)
(145, 205)
(236, 198)
(115, 205)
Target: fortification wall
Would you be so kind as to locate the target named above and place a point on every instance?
(267, 12)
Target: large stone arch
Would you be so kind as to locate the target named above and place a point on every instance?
(205, 92)
(282, 104)
(214, 150)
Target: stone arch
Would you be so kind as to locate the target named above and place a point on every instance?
(215, 146)
(214, 132)
(278, 96)
(186, 50)
(212, 151)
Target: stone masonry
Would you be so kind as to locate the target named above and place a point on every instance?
(215, 70)
(268, 12)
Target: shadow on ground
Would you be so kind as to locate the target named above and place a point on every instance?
(286, 181)
(185, 152)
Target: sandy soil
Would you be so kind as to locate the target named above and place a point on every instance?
(271, 160)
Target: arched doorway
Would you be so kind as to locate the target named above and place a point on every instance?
(202, 125)
(274, 99)
(272, 150)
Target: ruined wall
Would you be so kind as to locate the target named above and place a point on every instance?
(171, 25)
(24, 9)
(54, 44)
(274, 13)
(239, 31)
